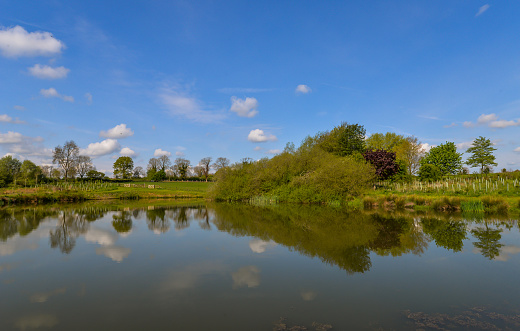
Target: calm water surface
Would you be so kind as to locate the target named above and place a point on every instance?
(149, 266)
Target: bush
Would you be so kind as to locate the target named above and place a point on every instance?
(429, 173)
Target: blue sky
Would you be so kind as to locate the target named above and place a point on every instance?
(242, 78)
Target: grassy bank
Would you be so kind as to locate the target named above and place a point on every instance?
(74, 192)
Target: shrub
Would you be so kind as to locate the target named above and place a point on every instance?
(429, 173)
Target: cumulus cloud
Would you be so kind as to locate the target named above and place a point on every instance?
(492, 121)
(464, 145)
(48, 72)
(426, 147)
(482, 10)
(159, 152)
(52, 93)
(118, 132)
(244, 107)
(104, 147)
(273, 151)
(127, 152)
(24, 146)
(11, 137)
(258, 136)
(246, 276)
(179, 154)
(303, 89)
(8, 119)
(181, 104)
(16, 42)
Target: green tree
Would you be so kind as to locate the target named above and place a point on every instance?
(410, 151)
(29, 170)
(123, 167)
(488, 241)
(388, 141)
(9, 169)
(181, 167)
(66, 157)
(481, 154)
(429, 173)
(444, 157)
(95, 175)
(345, 139)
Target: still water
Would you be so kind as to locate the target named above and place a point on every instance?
(190, 266)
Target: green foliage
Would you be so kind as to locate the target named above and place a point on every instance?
(343, 140)
(388, 141)
(9, 169)
(95, 175)
(481, 154)
(308, 174)
(159, 176)
(123, 167)
(445, 157)
(429, 172)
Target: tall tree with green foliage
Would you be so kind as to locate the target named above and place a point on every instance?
(388, 141)
(481, 154)
(181, 167)
(444, 157)
(9, 169)
(123, 167)
(66, 157)
(345, 139)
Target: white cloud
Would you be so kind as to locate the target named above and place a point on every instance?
(258, 136)
(482, 10)
(503, 124)
(8, 119)
(246, 276)
(88, 96)
(492, 121)
(118, 132)
(11, 137)
(104, 147)
(259, 246)
(179, 154)
(17, 107)
(47, 72)
(127, 152)
(52, 93)
(483, 119)
(426, 147)
(257, 148)
(450, 125)
(100, 236)
(273, 151)
(244, 107)
(116, 253)
(517, 149)
(182, 105)
(304, 89)
(16, 41)
(464, 145)
(159, 152)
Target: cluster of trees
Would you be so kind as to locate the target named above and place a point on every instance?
(343, 161)
(161, 168)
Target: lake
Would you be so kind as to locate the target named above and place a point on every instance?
(168, 265)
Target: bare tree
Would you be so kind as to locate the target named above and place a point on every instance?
(84, 165)
(220, 163)
(139, 172)
(205, 164)
(66, 157)
(198, 170)
(164, 162)
(153, 164)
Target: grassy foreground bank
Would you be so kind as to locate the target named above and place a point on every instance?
(74, 192)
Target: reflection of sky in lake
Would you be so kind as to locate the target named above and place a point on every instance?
(246, 267)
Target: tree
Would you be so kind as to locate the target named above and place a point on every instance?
(481, 154)
(383, 161)
(429, 173)
(123, 167)
(66, 157)
(221, 162)
(29, 170)
(444, 157)
(163, 162)
(153, 167)
(388, 141)
(84, 165)
(139, 172)
(181, 167)
(205, 164)
(488, 241)
(343, 140)
(410, 150)
(9, 169)
(198, 170)
(95, 175)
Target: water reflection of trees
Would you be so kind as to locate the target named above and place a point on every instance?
(122, 222)
(70, 226)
